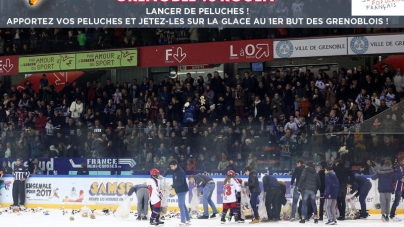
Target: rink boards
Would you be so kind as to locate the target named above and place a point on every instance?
(98, 192)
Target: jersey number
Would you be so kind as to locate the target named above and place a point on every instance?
(227, 190)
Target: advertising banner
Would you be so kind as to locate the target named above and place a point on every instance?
(386, 44)
(8, 65)
(64, 165)
(106, 59)
(206, 53)
(78, 61)
(377, 8)
(58, 191)
(306, 48)
(46, 63)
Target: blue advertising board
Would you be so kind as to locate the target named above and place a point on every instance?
(62, 166)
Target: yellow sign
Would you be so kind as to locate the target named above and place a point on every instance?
(47, 63)
(79, 61)
(106, 59)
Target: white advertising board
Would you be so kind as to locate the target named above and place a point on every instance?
(303, 48)
(105, 192)
(386, 44)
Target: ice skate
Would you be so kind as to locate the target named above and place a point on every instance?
(153, 222)
(238, 219)
(159, 222)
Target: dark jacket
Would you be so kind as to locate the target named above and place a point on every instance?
(399, 176)
(134, 188)
(296, 174)
(345, 176)
(360, 181)
(309, 180)
(179, 181)
(331, 186)
(387, 178)
(282, 197)
(83, 171)
(253, 183)
(321, 175)
(270, 182)
(201, 180)
(7, 170)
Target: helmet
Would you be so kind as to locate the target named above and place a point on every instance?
(154, 172)
(239, 180)
(231, 173)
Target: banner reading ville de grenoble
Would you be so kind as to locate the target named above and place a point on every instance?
(321, 47)
(376, 44)
(76, 191)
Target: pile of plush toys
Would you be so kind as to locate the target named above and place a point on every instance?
(85, 212)
(20, 210)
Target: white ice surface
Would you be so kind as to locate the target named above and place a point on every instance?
(57, 219)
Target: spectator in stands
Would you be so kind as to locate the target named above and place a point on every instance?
(83, 170)
(76, 109)
(37, 170)
(6, 169)
(1, 46)
(223, 163)
(81, 39)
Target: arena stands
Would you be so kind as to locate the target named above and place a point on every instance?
(268, 122)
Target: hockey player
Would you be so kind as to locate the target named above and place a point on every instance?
(155, 197)
(230, 189)
(240, 219)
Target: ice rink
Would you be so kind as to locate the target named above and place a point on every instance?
(57, 219)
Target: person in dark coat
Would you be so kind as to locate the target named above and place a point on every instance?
(387, 178)
(181, 189)
(398, 192)
(296, 177)
(308, 185)
(321, 174)
(361, 189)
(272, 190)
(6, 169)
(346, 179)
(257, 108)
(331, 190)
(83, 170)
(208, 185)
(255, 190)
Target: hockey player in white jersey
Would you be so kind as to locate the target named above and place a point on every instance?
(155, 197)
(230, 188)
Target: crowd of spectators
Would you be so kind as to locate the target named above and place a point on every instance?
(16, 41)
(266, 122)
(20, 41)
